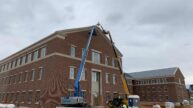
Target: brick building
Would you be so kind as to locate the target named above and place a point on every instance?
(38, 75)
(159, 85)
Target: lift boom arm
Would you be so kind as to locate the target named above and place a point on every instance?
(77, 89)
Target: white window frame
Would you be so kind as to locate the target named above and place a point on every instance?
(41, 73)
(29, 57)
(43, 52)
(33, 75)
(23, 60)
(114, 79)
(35, 55)
(96, 57)
(113, 62)
(106, 60)
(73, 51)
(83, 75)
(71, 72)
(107, 78)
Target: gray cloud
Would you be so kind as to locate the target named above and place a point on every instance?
(151, 34)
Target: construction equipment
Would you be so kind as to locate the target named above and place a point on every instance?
(120, 100)
(77, 100)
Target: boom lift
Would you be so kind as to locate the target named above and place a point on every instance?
(77, 100)
(120, 100)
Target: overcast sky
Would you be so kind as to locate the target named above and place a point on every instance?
(151, 34)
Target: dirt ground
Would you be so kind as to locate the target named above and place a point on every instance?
(150, 105)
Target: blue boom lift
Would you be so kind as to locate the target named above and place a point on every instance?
(77, 100)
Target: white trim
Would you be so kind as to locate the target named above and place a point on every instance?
(32, 46)
(70, 89)
(62, 55)
(96, 70)
(72, 66)
(72, 45)
(96, 51)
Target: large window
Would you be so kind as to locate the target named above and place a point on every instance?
(95, 57)
(73, 51)
(35, 56)
(71, 74)
(43, 52)
(95, 76)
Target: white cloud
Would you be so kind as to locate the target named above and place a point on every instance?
(151, 34)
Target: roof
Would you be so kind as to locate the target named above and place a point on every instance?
(154, 73)
(60, 32)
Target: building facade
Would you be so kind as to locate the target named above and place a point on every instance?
(39, 75)
(160, 85)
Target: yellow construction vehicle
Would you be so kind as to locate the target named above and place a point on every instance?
(121, 100)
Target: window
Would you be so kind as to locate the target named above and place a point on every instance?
(71, 75)
(37, 96)
(23, 97)
(26, 76)
(165, 88)
(43, 52)
(95, 76)
(83, 75)
(9, 66)
(95, 57)
(114, 79)
(106, 60)
(17, 97)
(29, 57)
(113, 62)
(40, 73)
(70, 93)
(0, 68)
(72, 51)
(20, 78)
(83, 94)
(14, 64)
(107, 78)
(35, 56)
(29, 97)
(18, 61)
(14, 79)
(23, 60)
(179, 81)
(32, 75)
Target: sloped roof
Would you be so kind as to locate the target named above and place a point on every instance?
(154, 73)
(60, 32)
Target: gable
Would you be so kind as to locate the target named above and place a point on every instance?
(99, 32)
